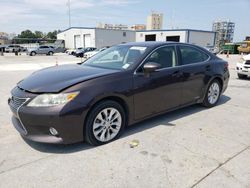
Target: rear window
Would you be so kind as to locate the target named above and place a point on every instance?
(190, 55)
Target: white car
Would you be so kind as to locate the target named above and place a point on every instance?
(88, 55)
(243, 67)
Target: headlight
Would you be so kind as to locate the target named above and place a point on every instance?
(46, 100)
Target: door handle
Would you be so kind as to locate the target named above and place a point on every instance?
(177, 74)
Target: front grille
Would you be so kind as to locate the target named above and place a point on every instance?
(16, 102)
(247, 62)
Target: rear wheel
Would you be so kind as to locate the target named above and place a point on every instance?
(50, 53)
(105, 123)
(212, 94)
(33, 53)
(242, 76)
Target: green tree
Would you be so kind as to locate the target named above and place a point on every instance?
(53, 35)
(39, 34)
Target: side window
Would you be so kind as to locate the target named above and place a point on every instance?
(191, 55)
(165, 56)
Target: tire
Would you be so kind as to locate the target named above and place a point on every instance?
(97, 129)
(242, 76)
(50, 53)
(33, 53)
(212, 94)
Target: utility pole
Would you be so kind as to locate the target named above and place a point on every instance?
(69, 13)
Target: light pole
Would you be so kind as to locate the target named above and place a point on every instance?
(69, 13)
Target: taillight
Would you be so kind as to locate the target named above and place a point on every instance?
(226, 65)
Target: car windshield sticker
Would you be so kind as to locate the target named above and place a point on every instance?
(125, 66)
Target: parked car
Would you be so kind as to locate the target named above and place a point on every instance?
(212, 49)
(14, 48)
(80, 53)
(72, 51)
(88, 55)
(243, 67)
(94, 101)
(48, 50)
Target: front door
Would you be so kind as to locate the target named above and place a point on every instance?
(161, 90)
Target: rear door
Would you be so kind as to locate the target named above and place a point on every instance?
(161, 90)
(196, 69)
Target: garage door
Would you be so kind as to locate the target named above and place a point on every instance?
(77, 41)
(86, 41)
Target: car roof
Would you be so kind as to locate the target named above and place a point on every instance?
(151, 44)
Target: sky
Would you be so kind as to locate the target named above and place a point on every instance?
(49, 15)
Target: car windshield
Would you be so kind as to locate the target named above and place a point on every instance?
(118, 57)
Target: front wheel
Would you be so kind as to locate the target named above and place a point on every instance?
(105, 123)
(212, 94)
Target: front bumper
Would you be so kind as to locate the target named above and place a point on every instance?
(243, 69)
(34, 123)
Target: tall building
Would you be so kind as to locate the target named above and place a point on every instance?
(155, 21)
(224, 32)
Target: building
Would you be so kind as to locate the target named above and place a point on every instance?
(198, 37)
(76, 37)
(111, 26)
(224, 32)
(137, 27)
(154, 21)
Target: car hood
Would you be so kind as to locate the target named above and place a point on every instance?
(57, 78)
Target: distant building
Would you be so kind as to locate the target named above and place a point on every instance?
(76, 37)
(138, 27)
(197, 37)
(155, 21)
(112, 26)
(224, 32)
(4, 38)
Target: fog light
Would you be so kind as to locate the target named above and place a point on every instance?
(53, 131)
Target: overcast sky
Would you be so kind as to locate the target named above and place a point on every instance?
(47, 15)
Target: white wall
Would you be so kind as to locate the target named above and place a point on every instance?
(68, 37)
(201, 38)
(105, 37)
(161, 35)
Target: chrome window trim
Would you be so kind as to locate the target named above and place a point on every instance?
(209, 57)
(177, 57)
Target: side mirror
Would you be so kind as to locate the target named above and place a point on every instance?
(151, 67)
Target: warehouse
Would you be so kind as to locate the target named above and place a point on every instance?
(198, 37)
(76, 37)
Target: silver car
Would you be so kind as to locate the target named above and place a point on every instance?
(47, 50)
(13, 48)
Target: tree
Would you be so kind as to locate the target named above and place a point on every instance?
(26, 34)
(53, 35)
(39, 34)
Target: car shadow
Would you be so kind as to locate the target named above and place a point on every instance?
(164, 119)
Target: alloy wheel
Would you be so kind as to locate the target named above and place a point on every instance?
(107, 124)
(213, 93)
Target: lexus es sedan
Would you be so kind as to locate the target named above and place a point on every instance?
(94, 101)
